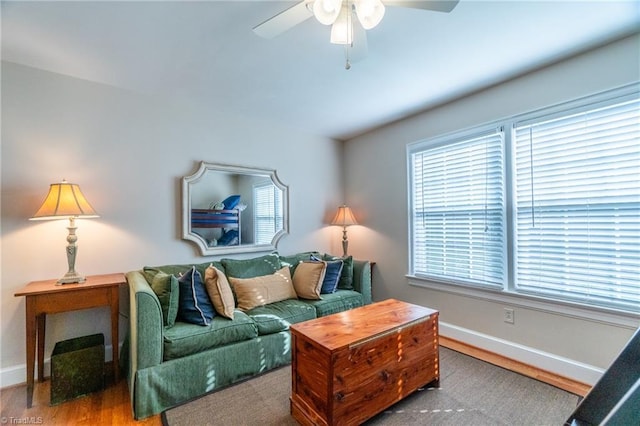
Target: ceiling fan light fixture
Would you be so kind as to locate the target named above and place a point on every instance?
(342, 28)
(327, 11)
(370, 12)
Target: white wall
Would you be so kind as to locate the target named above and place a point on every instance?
(553, 337)
(128, 152)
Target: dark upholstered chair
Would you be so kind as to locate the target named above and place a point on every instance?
(615, 398)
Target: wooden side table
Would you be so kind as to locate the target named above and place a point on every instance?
(45, 297)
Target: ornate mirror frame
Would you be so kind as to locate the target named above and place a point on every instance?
(215, 171)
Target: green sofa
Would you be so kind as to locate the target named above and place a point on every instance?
(167, 366)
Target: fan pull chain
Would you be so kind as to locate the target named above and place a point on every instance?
(347, 65)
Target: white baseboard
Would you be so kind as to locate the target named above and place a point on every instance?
(543, 360)
(17, 374)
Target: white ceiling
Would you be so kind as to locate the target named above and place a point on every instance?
(207, 52)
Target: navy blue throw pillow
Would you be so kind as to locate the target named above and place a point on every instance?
(229, 238)
(231, 202)
(194, 305)
(331, 276)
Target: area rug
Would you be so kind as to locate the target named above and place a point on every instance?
(472, 392)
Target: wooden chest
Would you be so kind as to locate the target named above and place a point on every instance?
(350, 366)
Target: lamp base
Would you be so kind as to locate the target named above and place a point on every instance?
(71, 278)
(345, 242)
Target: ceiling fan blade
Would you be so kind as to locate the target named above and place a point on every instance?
(283, 21)
(435, 5)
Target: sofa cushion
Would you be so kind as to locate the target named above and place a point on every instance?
(308, 277)
(278, 316)
(262, 290)
(339, 301)
(194, 305)
(165, 286)
(219, 291)
(249, 268)
(185, 339)
(346, 276)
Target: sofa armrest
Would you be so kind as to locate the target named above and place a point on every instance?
(362, 279)
(146, 324)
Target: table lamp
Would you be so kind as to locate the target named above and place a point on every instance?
(65, 200)
(344, 217)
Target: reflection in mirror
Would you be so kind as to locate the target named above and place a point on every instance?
(228, 209)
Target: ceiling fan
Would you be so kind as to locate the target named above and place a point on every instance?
(345, 30)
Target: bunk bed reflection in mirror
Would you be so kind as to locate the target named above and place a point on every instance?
(234, 209)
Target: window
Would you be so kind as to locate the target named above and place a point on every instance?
(577, 204)
(573, 182)
(267, 213)
(458, 219)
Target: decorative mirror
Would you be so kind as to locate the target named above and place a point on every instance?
(234, 209)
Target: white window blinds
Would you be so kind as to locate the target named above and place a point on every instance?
(267, 216)
(457, 210)
(577, 205)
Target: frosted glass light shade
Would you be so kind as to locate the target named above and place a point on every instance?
(370, 12)
(326, 11)
(342, 29)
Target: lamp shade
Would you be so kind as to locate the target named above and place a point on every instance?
(64, 200)
(344, 217)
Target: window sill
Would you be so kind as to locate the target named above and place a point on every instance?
(567, 309)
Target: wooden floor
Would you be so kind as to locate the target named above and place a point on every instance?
(109, 407)
(112, 407)
(553, 379)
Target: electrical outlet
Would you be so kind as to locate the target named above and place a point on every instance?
(509, 316)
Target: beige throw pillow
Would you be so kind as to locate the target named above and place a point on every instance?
(308, 277)
(219, 291)
(262, 290)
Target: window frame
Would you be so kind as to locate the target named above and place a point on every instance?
(509, 293)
